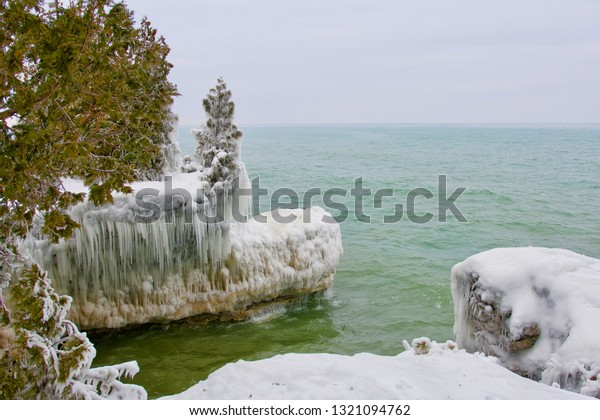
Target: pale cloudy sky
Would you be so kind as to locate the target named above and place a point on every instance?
(387, 61)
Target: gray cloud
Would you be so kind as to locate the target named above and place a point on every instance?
(386, 61)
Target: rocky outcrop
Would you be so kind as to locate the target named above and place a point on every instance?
(122, 271)
(536, 309)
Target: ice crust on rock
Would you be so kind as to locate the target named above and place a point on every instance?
(441, 372)
(536, 309)
(120, 272)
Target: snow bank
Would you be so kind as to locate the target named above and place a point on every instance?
(440, 371)
(127, 266)
(537, 309)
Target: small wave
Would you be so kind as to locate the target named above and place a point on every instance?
(268, 312)
(330, 297)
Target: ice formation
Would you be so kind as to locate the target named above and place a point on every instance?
(428, 370)
(120, 272)
(103, 383)
(186, 246)
(536, 309)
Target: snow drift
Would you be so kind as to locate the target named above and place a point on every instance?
(536, 309)
(428, 370)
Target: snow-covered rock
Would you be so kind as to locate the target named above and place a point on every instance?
(536, 309)
(126, 266)
(428, 370)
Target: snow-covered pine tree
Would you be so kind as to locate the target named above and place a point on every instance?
(45, 356)
(218, 147)
(170, 147)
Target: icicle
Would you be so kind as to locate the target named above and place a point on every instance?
(119, 272)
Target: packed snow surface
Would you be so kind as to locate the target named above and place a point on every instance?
(427, 370)
(537, 309)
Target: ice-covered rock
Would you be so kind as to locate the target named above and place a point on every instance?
(536, 309)
(182, 247)
(187, 245)
(441, 372)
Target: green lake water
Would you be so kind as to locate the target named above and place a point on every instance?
(524, 186)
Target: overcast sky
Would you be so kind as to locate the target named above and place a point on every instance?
(389, 61)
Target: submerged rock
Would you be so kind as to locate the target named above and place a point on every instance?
(536, 309)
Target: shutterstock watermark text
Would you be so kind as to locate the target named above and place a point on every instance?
(419, 205)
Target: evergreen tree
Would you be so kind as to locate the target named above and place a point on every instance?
(44, 356)
(84, 94)
(218, 142)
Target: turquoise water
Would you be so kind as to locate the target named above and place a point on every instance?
(525, 185)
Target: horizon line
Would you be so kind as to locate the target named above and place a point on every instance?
(331, 124)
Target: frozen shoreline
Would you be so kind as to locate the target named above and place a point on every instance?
(535, 309)
(444, 372)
